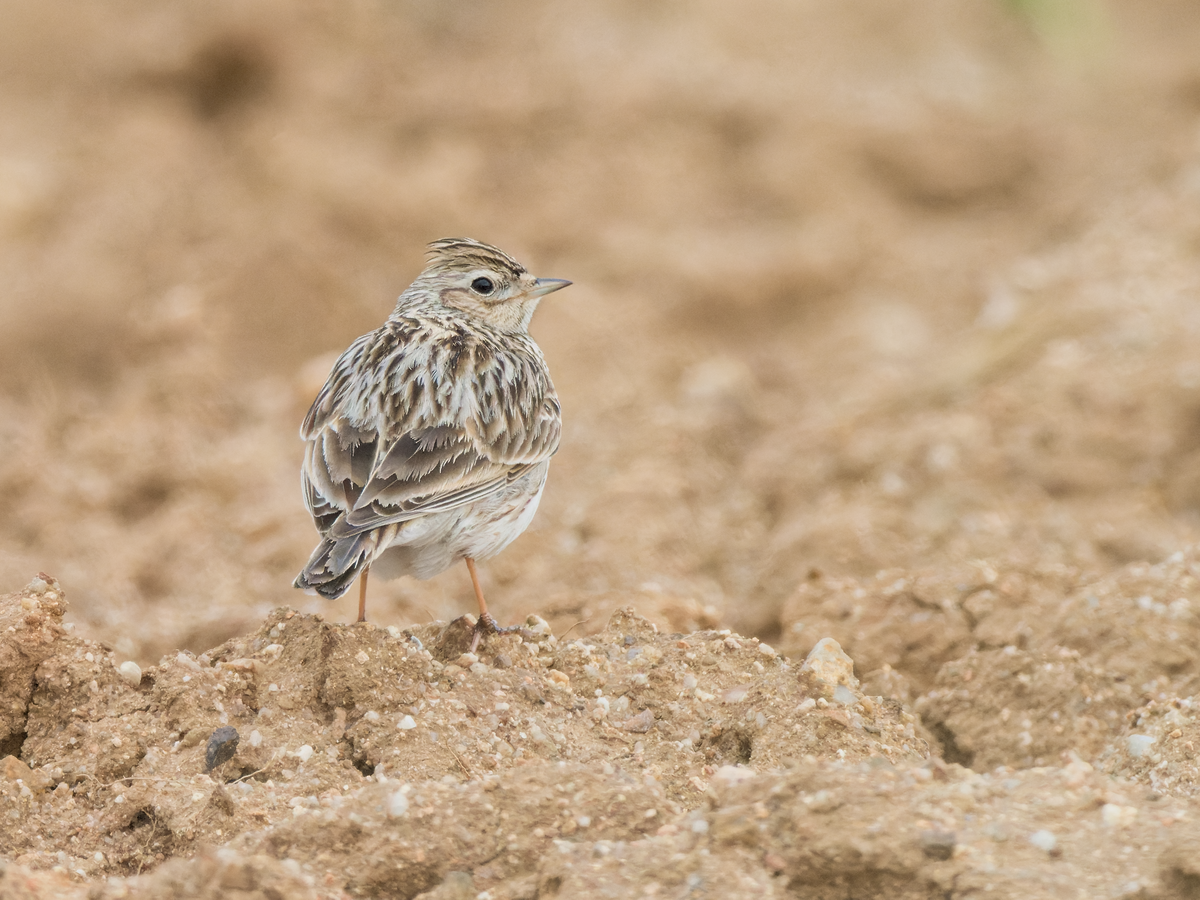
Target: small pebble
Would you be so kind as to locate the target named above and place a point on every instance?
(221, 747)
(1138, 744)
(397, 805)
(938, 844)
(131, 672)
(639, 724)
(829, 664)
(407, 723)
(844, 696)
(822, 801)
(305, 753)
(1044, 840)
(1114, 815)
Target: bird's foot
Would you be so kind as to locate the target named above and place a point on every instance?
(487, 625)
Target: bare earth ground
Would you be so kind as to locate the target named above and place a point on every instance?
(883, 330)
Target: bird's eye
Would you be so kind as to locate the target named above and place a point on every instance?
(482, 286)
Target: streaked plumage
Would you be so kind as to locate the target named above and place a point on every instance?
(431, 439)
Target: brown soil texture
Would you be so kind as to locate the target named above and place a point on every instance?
(883, 330)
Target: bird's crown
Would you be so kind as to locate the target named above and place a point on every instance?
(467, 254)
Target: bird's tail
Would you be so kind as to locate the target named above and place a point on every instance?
(335, 564)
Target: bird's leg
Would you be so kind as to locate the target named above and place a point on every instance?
(486, 623)
(485, 618)
(362, 594)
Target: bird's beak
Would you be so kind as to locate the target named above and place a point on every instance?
(544, 286)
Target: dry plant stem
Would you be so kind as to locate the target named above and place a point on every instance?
(362, 594)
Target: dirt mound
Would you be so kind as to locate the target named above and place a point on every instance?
(382, 762)
(327, 760)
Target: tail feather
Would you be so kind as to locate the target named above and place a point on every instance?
(346, 554)
(334, 565)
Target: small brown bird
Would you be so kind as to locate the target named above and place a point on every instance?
(431, 439)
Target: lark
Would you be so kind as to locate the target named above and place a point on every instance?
(431, 439)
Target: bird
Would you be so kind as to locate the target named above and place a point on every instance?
(431, 439)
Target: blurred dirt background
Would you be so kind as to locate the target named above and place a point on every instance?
(883, 329)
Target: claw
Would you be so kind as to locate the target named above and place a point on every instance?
(487, 625)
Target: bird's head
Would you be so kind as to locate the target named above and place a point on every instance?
(484, 283)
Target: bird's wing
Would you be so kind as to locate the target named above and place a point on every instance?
(417, 429)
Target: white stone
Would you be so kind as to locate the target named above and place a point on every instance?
(1116, 816)
(844, 696)
(131, 672)
(1139, 744)
(830, 664)
(1044, 840)
(397, 805)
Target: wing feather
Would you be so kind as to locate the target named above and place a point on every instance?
(415, 420)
